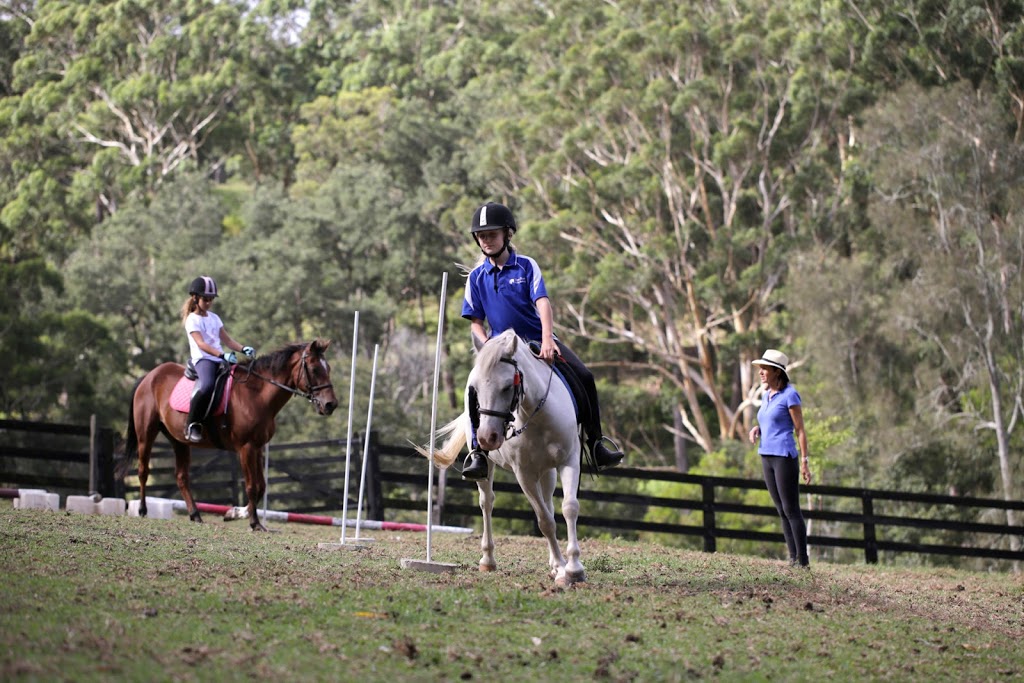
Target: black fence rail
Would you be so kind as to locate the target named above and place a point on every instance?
(58, 457)
(310, 477)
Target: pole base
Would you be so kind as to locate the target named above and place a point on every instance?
(432, 567)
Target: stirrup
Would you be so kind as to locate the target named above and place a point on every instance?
(612, 457)
(474, 467)
(194, 432)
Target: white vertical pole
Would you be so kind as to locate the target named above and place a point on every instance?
(366, 441)
(348, 443)
(433, 411)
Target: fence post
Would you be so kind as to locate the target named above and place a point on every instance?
(374, 495)
(870, 542)
(93, 454)
(104, 449)
(236, 477)
(708, 490)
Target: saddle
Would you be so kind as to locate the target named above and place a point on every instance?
(181, 396)
(564, 371)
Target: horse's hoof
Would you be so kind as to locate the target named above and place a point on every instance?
(488, 567)
(196, 517)
(565, 579)
(257, 527)
(576, 577)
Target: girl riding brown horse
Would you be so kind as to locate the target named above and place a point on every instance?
(260, 390)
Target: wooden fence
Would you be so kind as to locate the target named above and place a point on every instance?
(61, 458)
(309, 477)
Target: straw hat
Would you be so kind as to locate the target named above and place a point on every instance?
(774, 359)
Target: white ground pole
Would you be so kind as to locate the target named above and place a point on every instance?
(435, 567)
(348, 443)
(366, 446)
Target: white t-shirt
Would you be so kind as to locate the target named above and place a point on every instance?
(209, 327)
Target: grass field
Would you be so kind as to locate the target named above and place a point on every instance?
(88, 598)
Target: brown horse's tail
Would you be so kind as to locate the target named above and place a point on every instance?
(449, 452)
(131, 441)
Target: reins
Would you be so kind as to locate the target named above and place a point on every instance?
(518, 391)
(308, 395)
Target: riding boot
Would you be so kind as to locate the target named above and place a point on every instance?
(474, 468)
(193, 427)
(605, 457)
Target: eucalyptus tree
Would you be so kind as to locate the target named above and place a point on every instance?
(50, 359)
(949, 192)
(131, 90)
(385, 144)
(683, 150)
(133, 270)
(108, 100)
(933, 43)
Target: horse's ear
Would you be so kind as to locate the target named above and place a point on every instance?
(477, 344)
(513, 342)
(321, 345)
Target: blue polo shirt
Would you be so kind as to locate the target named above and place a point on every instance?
(777, 424)
(506, 297)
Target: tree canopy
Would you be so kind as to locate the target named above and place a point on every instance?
(699, 181)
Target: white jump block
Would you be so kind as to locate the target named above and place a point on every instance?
(156, 508)
(81, 504)
(37, 499)
(114, 507)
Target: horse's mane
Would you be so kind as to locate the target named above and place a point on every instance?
(493, 351)
(279, 360)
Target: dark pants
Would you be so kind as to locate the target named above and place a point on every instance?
(202, 392)
(593, 428)
(782, 476)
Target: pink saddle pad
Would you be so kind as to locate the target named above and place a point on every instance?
(181, 397)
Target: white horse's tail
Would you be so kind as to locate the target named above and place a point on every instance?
(449, 452)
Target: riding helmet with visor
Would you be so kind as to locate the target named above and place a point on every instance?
(492, 216)
(203, 286)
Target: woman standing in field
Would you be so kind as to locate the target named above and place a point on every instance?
(780, 428)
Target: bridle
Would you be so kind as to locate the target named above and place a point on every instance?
(518, 391)
(310, 394)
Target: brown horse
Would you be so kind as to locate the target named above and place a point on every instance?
(260, 391)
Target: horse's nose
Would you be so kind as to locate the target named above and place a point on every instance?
(329, 407)
(489, 439)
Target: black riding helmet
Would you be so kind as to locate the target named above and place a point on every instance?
(203, 286)
(493, 216)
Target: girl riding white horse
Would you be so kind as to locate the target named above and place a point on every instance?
(527, 422)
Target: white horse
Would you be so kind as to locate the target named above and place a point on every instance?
(527, 425)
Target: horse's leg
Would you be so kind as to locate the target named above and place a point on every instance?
(486, 489)
(546, 484)
(574, 571)
(251, 459)
(147, 426)
(534, 488)
(182, 463)
(143, 478)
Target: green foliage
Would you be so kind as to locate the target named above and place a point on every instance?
(699, 182)
(52, 359)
